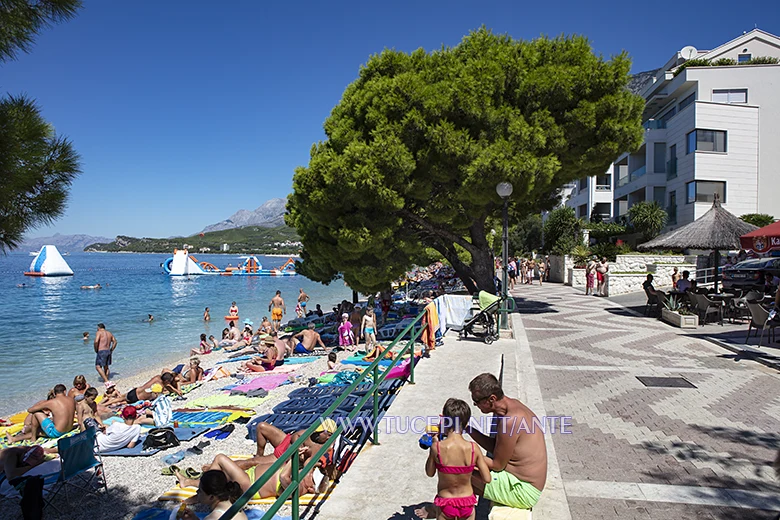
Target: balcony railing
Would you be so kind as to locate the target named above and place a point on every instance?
(624, 180)
(654, 124)
(638, 173)
(671, 169)
(603, 187)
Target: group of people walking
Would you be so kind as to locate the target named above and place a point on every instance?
(526, 270)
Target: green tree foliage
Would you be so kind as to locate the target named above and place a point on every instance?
(419, 141)
(758, 219)
(526, 235)
(36, 170)
(647, 218)
(603, 230)
(22, 20)
(562, 231)
(36, 166)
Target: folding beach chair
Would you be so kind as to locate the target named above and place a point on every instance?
(81, 469)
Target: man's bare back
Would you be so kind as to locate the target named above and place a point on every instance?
(310, 338)
(518, 449)
(103, 340)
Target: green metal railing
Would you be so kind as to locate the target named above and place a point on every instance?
(298, 473)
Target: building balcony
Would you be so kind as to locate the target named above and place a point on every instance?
(639, 172)
(654, 124)
(603, 187)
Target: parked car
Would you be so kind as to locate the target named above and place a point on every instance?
(749, 274)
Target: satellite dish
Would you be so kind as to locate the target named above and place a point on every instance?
(688, 52)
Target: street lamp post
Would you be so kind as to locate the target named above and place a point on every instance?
(504, 190)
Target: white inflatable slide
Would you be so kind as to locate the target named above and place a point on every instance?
(183, 265)
(49, 262)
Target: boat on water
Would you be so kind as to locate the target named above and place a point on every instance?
(34, 253)
(184, 264)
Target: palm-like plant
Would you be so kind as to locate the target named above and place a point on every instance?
(36, 170)
(647, 218)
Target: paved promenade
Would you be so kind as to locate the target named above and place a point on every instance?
(633, 452)
(641, 452)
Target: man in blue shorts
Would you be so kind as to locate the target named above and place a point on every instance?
(307, 339)
(53, 417)
(105, 343)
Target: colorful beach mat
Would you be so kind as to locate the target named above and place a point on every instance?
(165, 514)
(178, 494)
(268, 382)
(198, 419)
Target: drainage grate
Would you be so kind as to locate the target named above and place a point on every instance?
(665, 382)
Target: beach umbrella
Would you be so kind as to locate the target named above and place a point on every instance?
(717, 229)
(763, 239)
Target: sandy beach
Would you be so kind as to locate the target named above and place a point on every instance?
(135, 483)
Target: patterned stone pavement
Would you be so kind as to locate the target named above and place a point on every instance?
(643, 452)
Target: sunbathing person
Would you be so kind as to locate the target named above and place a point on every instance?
(268, 433)
(112, 396)
(38, 423)
(195, 373)
(217, 492)
(170, 381)
(87, 412)
(378, 351)
(245, 478)
(79, 387)
(266, 326)
(265, 363)
(283, 343)
(18, 460)
(203, 348)
(308, 339)
(144, 392)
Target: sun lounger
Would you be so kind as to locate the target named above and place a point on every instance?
(360, 390)
(286, 422)
(215, 401)
(313, 404)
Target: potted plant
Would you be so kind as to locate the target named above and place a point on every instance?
(675, 314)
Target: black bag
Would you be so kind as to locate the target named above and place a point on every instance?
(161, 438)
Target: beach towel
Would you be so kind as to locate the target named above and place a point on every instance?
(288, 369)
(327, 377)
(179, 494)
(358, 361)
(268, 382)
(198, 419)
(215, 401)
(156, 513)
(297, 360)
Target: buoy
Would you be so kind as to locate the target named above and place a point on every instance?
(232, 318)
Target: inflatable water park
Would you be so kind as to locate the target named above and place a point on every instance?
(184, 264)
(49, 262)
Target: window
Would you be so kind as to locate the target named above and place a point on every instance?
(742, 58)
(671, 211)
(704, 191)
(687, 101)
(667, 116)
(659, 157)
(706, 141)
(671, 168)
(734, 95)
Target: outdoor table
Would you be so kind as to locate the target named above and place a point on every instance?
(725, 298)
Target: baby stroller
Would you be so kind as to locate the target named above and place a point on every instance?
(489, 305)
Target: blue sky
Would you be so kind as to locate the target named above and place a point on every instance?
(186, 111)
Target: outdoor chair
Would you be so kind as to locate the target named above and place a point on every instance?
(652, 303)
(758, 319)
(704, 307)
(81, 468)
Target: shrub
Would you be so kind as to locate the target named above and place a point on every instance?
(647, 218)
(607, 249)
(723, 61)
(696, 62)
(602, 230)
(562, 231)
(761, 60)
(580, 255)
(758, 219)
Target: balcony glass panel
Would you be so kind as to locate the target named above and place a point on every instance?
(671, 169)
(638, 173)
(654, 124)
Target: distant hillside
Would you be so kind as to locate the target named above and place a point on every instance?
(270, 214)
(640, 80)
(65, 243)
(250, 239)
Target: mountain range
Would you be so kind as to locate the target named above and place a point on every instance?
(65, 243)
(270, 214)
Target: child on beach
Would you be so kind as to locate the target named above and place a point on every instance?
(87, 412)
(454, 459)
(333, 361)
(368, 329)
(346, 336)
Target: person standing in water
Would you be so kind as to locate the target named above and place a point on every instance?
(277, 310)
(104, 344)
(207, 315)
(233, 309)
(303, 298)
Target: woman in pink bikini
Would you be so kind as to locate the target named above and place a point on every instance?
(454, 459)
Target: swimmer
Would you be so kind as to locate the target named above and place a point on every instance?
(21, 285)
(96, 286)
(149, 319)
(85, 336)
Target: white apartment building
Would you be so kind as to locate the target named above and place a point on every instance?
(708, 129)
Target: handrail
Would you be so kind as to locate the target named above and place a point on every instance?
(292, 451)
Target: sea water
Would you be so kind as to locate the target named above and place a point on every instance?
(41, 324)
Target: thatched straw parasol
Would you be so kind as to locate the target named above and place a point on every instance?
(717, 229)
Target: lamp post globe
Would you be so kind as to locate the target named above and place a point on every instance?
(504, 189)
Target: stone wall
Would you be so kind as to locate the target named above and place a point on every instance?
(576, 277)
(618, 283)
(663, 272)
(634, 263)
(559, 268)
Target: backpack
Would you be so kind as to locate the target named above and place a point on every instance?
(160, 438)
